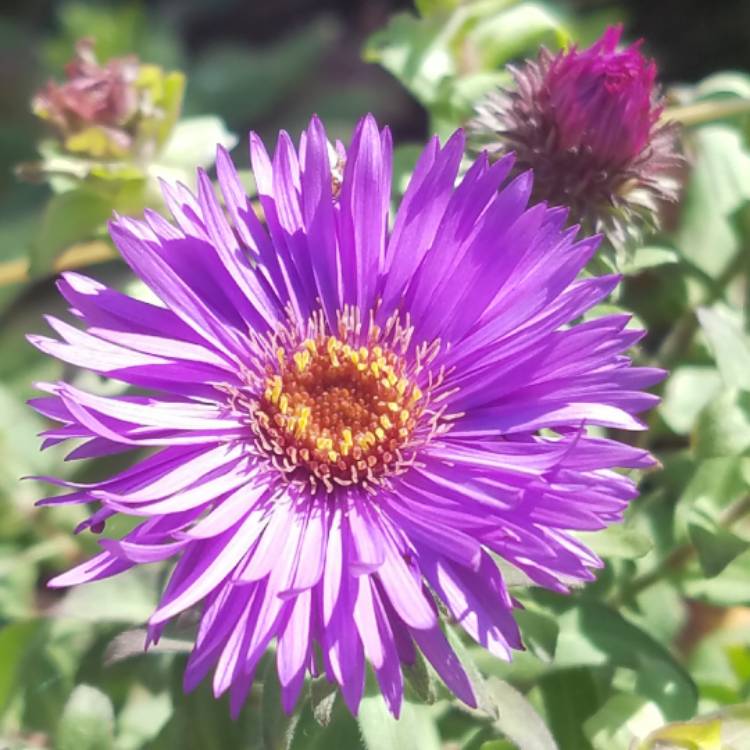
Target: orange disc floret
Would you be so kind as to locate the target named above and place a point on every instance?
(341, 412)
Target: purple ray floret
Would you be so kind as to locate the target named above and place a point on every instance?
(348, 419)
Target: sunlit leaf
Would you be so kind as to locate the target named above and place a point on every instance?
(87, 723)
(380, 731)
(518, 719)
(69, 217)
(621, 720)
(728, 729)
(619, 540)
(719, 185)
(730, 346)
(687, 390)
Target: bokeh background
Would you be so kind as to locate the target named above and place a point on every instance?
(674, 638)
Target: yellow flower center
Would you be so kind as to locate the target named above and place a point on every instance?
(341, 413)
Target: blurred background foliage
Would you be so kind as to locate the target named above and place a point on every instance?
(661, 638)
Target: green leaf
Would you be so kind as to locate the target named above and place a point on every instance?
(649, 256)
(421, 679)
(728, 589)
(715, 484)
(341, 731)
(415, 728)
(416, 51)
(70, 217)
(621, 720)
(277, 728)
(727, 729)
(429, 54)
(87, 723)
(130, 597)
(517, 718)
(723, 427)
(539, 631)
(716, 546)
(688, 389)
(499, 37)
(15, 640)
(323, 696)
(430, 7)
(594, 635)
(620, 540)
(570, 696)
(730, 347)
(723, 83)
(193, 144)
(142, 718)
(719, 185)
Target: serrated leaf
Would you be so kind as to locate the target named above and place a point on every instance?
(87, 722)
(730, 347)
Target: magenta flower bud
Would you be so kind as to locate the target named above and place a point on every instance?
(589, 124)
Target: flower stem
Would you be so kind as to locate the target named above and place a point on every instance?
(76, 256)
(707, 111)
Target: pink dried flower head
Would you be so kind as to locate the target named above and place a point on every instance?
(93, 96)
(589, 124)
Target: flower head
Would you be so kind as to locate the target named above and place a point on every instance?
(348, 421)
(101, 110)
(588, 123)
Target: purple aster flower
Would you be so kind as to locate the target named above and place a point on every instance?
(349, 421)
(589, 124)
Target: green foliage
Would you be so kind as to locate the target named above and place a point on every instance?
(87, 721)
(455, 53)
